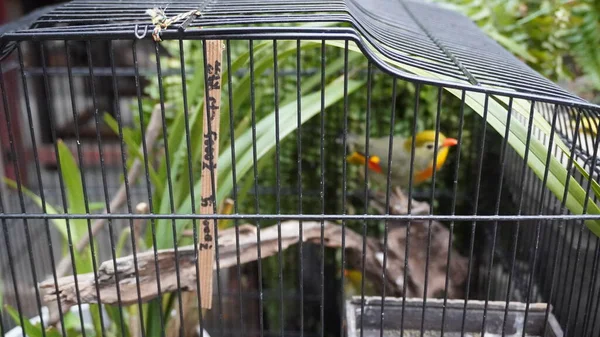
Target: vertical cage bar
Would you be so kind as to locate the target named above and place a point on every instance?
(188, 143)
(256, 199)
(515, 241)
(496, 212)
(299, 165)
(159, 77)
(322, 187)
(278, 186)
(409, 206)
(125, 178)
(537, 228)
(387, 202)
(39, 181)
(4, 221)
(366, 196)
(581, 227)
(153, 120)
(126, 182)
(235, 187)
(344, 188)
(61, 181)
(83, 180)
(475, 206)
(453, 207)
(431, 198)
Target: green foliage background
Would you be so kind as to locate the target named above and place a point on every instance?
(557, 38)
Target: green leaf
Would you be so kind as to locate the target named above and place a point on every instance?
(311, 106)
(584, 38)
(96, 206)
(534, 15)
(115, 316)
(29, 329)
(133, 148)
(557, 175)
(261, 64)
(71, 319)
(241, 61)
(122, 241)
(244, 141)
(333, 67)
(72, 179)
(153, 319)
(96, 321)
(53, 332)
(75, 197)
(59, 224)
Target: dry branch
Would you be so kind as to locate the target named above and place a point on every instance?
(125, 273)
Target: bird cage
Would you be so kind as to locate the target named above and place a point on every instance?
(298, 168)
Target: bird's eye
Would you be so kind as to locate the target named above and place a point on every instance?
(430, 146)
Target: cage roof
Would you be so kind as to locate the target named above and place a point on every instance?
(418, 41)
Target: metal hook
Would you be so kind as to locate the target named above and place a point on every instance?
(137, 34)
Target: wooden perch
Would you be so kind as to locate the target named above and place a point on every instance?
(165, 259)
(398, 203)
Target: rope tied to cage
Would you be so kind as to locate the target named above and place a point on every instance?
(161, 21)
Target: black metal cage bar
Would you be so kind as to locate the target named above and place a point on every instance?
(484, 222)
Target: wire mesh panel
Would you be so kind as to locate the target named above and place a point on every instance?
(383, 168)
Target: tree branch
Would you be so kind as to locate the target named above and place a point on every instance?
(125, 273)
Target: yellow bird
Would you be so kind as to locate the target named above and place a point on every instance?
(587, 125)
(353, 284)
(423, 158)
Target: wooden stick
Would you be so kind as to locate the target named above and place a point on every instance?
(226, 208)
(210, 152)
(141, 208)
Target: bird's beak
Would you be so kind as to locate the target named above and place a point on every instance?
(449, 142)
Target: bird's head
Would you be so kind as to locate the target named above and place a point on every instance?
(353, 276)
(425, 148)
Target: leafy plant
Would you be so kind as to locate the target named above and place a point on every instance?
(264, 58)
(534, 31)
(29, 329)
(555, 37)
(72, 230)
(584, 37)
